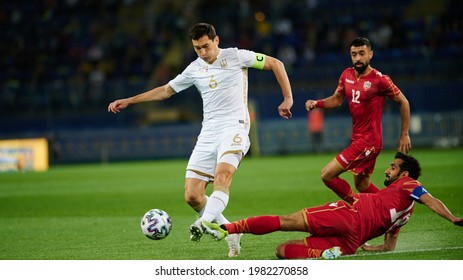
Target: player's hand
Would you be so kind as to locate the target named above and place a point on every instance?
(117, 105)
(374, 248)
(285, 108)
(368, 248)
(459, 222)
(404, 144)
(365, 246)
(310, 104)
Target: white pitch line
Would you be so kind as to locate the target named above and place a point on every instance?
(405, 251)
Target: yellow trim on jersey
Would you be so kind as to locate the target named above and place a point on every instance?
(259, 61)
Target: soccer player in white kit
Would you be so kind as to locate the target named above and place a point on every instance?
(220, 76)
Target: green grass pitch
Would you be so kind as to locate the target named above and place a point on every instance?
(93, 211)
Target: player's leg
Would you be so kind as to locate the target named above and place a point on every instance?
(259, 225)
(232, 146)
(200, 170)
(234, 143)
(195, 196)
(331, 218)
(333, 230)
(218, 200)
(195, 193)
(296, 249)
(255, 225)
(197, 199)
(364, 184)
(364, 170)
(330, 177)
(299, 249)
(359, 158)
(337, 217)
(216, 203)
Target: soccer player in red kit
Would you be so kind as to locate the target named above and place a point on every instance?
(340, 228)
(365, 89)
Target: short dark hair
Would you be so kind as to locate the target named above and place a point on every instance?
(409, 164)
(200, 29)
(360, 41)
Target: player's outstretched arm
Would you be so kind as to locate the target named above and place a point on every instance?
(159, 93)
(438, 207)
(333, 101)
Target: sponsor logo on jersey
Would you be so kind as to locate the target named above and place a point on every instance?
(237, 140)
(203, 69)
(350, 81)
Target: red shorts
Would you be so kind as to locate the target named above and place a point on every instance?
(333, 224)
(359, 158)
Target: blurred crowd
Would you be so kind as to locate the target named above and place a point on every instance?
(64, 54)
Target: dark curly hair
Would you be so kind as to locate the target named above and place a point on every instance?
(409, 164)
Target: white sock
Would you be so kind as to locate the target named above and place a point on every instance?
(201, 212)
(215, 206)
(220, 219)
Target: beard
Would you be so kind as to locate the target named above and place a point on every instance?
(360, 67)
(389, 180)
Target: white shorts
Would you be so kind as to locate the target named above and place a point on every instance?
(216, 142)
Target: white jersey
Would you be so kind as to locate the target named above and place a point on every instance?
(223, 85)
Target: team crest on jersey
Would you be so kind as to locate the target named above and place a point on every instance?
(367, 85)
(223, 63)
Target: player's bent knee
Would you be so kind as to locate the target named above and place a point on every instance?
(193, 200)
(325, 178)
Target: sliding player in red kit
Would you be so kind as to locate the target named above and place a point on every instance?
(365, 89)
(340, 228)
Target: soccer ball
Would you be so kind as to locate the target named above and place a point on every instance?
(156, 224)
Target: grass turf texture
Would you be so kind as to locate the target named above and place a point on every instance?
(93, 211)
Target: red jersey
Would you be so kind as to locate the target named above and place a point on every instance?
(366, 98)
(389, 209)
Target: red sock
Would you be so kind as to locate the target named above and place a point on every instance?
(341, 188)
(255, 225)
(371, 189)
(300, 251)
